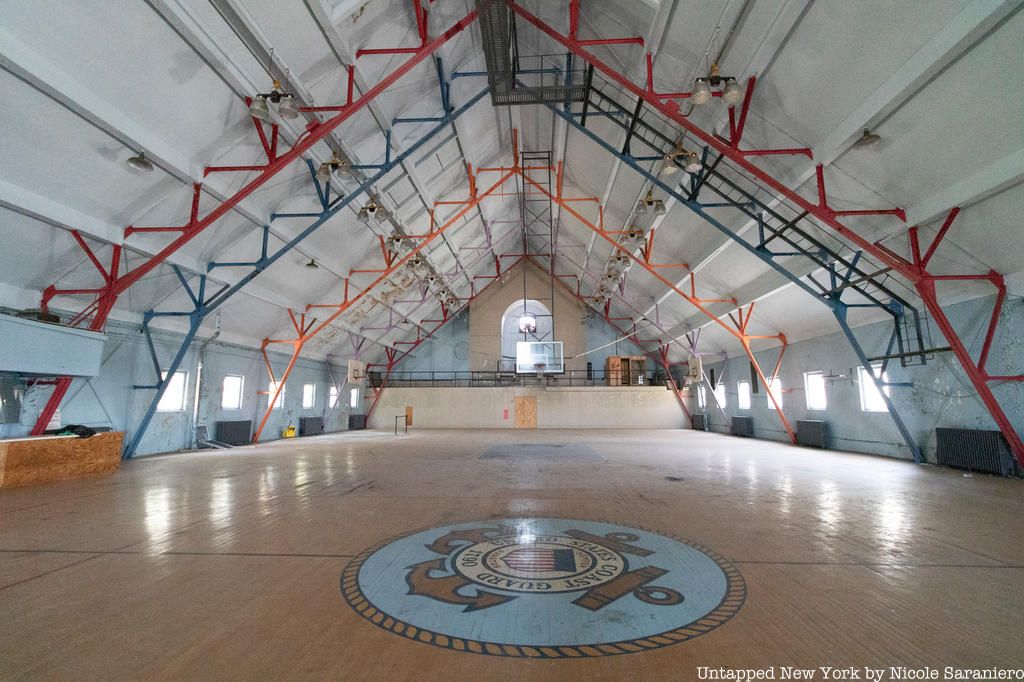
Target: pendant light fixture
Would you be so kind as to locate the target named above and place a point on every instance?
(259, 108)
(732, 93)
(140, 163)
(867, 139)
(701, 93)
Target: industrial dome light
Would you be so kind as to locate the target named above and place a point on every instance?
(140, 163)
(668, 165)
(260, 106)
(636, 237)
(659, 207)
(701, 92)
(867, 139)
(372, 210)
(286, 107)
(335, 166)
(732, 93)
(691, 162)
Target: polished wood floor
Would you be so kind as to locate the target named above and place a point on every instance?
(227, 565)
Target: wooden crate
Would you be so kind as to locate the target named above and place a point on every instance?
(625, 370)
(31, 461)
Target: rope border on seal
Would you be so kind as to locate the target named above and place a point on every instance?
(730, 604)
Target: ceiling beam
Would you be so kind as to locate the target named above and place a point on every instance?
(944, 48)
(992, 179)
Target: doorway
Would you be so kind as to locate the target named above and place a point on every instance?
(526, 412)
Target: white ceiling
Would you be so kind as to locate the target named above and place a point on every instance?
(942, 81)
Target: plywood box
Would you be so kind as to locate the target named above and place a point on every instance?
(30, 461)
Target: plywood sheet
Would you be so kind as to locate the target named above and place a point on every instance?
(526, 412)
(31, 461)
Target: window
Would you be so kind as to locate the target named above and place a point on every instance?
(173, 399)
(702, 400)
(814, 390)
(775, 391)
(353, 399)
(720, 394)
(231, 392)
(271, 388)
(870, 399)
(743, 389)
(308, 396)
(332, 397)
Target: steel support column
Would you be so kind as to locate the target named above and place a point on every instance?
(763, 254)
(329, 208)
(315, 133)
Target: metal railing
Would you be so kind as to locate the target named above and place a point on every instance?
(474, 379)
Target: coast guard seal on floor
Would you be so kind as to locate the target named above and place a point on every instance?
(543, 588)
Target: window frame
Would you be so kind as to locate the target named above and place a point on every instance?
(353, 399)
(864, 381)
(184, 391)
(743, 396)
(333, 393)
(271, 387)
(770, 390)
(241, 391)
(807, 392)
(312, 402)
(720, 395)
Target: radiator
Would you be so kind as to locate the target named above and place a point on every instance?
(813, 432)
(743, 426)
(235, 432)
(356, 421)
(974, 449)
(311, 426)
(699, 422)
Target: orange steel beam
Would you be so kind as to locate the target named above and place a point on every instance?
(662, 355)
(738, 331)
(300, 341)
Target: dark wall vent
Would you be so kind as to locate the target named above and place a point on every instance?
(699, 422)
(743, 426)
(974, 450)
(311, 426)
(812, 432)
(235, 432)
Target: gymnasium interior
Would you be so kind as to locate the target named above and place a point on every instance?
(511, 339)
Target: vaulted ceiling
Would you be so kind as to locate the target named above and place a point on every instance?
(86, 87)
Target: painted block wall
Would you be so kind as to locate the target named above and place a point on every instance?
(941, 395)
(447, 351)
(110, 400)
(649, 407)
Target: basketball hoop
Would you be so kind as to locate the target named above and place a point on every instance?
(540, 366)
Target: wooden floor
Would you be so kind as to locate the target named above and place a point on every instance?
(227, 565)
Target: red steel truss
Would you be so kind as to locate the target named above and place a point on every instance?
(915, 271)
(115, 284)
(305, 332)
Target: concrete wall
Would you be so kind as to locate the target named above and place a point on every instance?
(488, 309)
(577, 407)
(110, 400)
(941, 394)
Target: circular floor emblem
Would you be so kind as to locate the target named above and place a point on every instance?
(543, 588)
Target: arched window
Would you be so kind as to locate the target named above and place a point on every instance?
(516, 319)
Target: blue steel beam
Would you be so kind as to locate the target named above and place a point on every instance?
(838, 308)
(203, 308)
